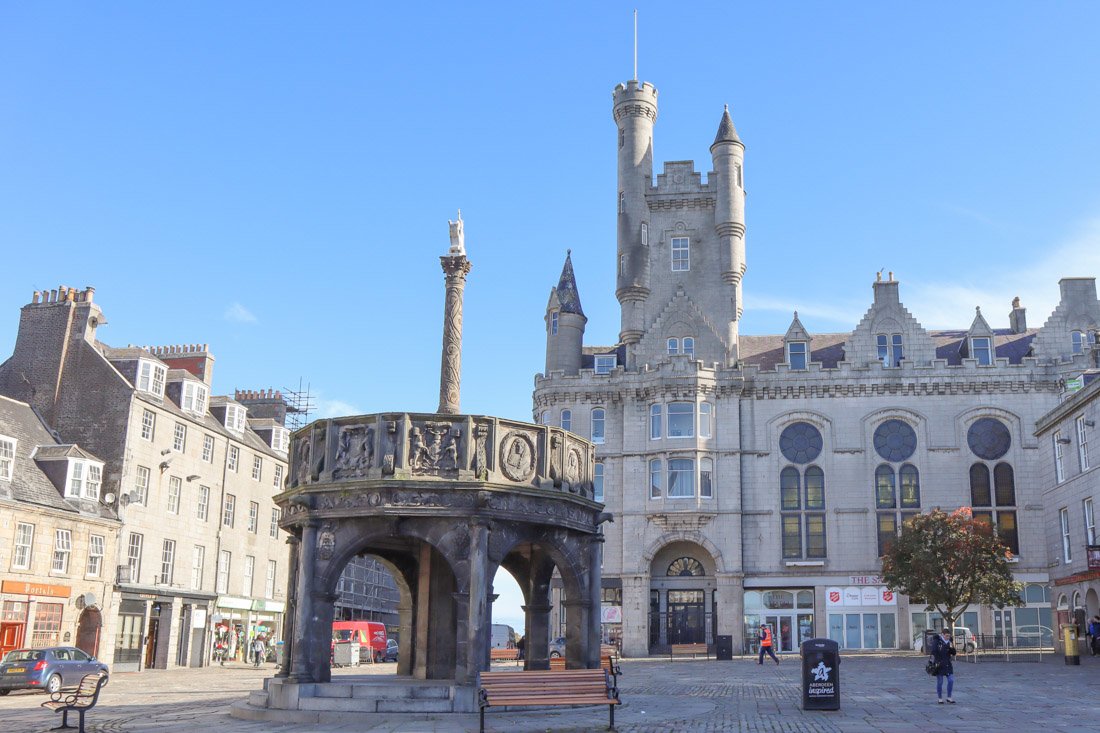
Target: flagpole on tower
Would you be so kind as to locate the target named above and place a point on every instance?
(635, 44)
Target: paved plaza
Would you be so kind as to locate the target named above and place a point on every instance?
(879, 694)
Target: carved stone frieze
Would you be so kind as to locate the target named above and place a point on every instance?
(326, 541)
(389, 447)
(480, 464)
(687, 521)
(302, 458)
(517, 456)
(434, 448)
(354, 452)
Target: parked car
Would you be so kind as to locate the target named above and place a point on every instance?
(47, 669)
(965, 641)
(390, 655)
(1031, 634)
(557, 647)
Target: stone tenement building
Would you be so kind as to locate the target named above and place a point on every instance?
(189, 475)
(757, 479)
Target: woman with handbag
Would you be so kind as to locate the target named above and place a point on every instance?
(942, 651)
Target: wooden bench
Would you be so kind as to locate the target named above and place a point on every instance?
(568, 687)
(503, 655)
(83, 700)
(683, 650)
(607, 662)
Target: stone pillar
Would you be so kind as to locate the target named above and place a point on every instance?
(577, 612)
(321, 637)
(407, 635)
(291, 606)
(303, 611)
(730, 595)
(536, 650)
(423, 612)
(455, 268)
(635, 615)
(478, 618)
(595, 596)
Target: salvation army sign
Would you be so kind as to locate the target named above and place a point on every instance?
(856, 595)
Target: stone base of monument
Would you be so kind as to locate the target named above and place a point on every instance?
(285, 701)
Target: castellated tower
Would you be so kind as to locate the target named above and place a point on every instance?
(565, 321)
(635, 111)
(728, 156)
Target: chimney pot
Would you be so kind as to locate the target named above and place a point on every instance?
(34, 298)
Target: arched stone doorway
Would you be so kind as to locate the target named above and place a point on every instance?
(682, 596)
(443, 501)
(87, 630)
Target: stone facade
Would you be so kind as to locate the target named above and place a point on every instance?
(754, 478)
(1069, 456)
(189, 476)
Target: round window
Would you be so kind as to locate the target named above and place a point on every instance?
(895, 440)
(800, 442)
(989, 438)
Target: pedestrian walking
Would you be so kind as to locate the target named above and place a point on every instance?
(1094, 633)
(766, 643)
(942, 651)
(259, 650)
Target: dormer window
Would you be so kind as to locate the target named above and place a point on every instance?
(796, 355)
(673, 346)
(982, 350)
(234, 418)
(604, 364)
(83, 479)
(280, 439)
(7, 457)
(151, 377)
(554, 323)
(194, 398)
(890, 351)
(685, 346)
(1082, 341)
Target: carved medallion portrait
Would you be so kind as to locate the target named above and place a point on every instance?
(517, 457)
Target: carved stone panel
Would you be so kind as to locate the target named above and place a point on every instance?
(517, 456)
(479, 463)
(354, 451)
(302, 459)
(434, 448)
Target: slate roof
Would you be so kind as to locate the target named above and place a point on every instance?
(67, 450)
(569, 298)
(28, 482)
(727, 133)
(211, 423)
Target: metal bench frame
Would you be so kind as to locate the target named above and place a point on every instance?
(82, 700)
(609, 688)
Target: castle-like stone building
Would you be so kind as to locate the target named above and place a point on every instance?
(757, 479)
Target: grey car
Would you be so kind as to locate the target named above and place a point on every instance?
(47, 669)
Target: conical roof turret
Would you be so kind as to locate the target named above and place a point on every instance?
(569, 297)
(727, 133)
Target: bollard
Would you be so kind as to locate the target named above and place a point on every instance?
(1069, 644)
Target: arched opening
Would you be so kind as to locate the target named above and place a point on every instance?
(682, 602)
(509, 625)
(366, 610)
(87, 630)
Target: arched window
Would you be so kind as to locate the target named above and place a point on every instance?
(598, 417)
(685, 566)
(655, 478)
(689, 346)
(885, 493)
(566, 419)
(654, 422)
(910, 486)
(597, 482)
(979, 485)
(802, 512)
(1004, 485)
(673, 346)
(997, 507)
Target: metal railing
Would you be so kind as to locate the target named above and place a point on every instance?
(1006, 648)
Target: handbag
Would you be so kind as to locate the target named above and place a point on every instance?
(931, 667)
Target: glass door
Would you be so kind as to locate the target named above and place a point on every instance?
(686, 617)
(783, 631)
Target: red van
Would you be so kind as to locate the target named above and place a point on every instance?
(371, 635)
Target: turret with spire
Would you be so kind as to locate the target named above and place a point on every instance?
(728, 155)
(565, 322)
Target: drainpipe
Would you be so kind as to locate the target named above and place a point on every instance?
(218, 545)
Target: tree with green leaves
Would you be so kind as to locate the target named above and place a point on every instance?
(950, 561)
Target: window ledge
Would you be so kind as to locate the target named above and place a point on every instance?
(804, 563)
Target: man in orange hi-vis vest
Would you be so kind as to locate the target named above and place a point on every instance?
(766, 644)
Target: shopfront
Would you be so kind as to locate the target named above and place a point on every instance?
(789, 612)
(862, 616)
(34, 614)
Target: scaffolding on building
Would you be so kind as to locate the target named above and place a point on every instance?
(299, 405)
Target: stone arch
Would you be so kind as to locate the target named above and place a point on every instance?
(819, 420)
(691, 536)
(917, 420)
(682, 605)
(963, 419)
(88, 629)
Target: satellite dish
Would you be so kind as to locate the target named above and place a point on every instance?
(89, 599)
(108, 498)
(124, 499)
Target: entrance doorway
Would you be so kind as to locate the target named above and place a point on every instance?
(790, 630)
(87, 631)
(11, 637)
(686, 617)
(151, 642)
(789, 614)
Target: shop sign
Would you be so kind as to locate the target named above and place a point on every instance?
(235, 602)
(20, 588)
(1093, 554)
(272, 606)
(864, 580)
(837, 597)
(868, 596)
(611, 614)
(198, 618)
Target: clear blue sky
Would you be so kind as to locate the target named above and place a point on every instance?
(275, 178)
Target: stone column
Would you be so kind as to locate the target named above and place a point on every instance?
(303, 611)
(536, 650)
(731, 608)
(324, 609)
(291, 606)
(455, 268)
(635, 615)
(595, 595)
(478, 619)
(576, 631)
(408, 640)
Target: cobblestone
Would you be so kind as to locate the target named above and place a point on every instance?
(880, 694)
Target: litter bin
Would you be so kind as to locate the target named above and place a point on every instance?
(1069, 644)
(820, 675)
(724, 649)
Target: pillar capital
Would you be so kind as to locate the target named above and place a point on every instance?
(577, 603)
(537, 608)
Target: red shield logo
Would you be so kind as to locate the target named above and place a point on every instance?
(834, 596)
(888, 595)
